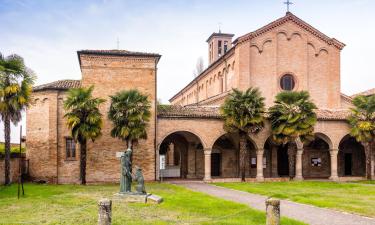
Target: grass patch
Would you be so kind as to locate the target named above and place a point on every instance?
(349, 197)
(74, 204)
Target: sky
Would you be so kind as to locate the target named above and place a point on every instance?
(48, 33)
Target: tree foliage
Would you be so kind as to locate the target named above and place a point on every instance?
(83, 115)
(292, 116)
(16, 81)
(243, 111)
(130, 114)
(362, 118)
(84, 120)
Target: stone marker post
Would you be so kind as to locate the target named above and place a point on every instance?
(105, 212)
(272, 211)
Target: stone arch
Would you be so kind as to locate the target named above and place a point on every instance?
(316, 160)
(225, 156)
(182, 130)
(326, 138)
(351, 157)
(183, 155)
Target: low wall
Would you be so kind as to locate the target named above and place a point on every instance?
(14, 168)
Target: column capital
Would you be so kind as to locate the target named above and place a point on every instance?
(260, 151)
(333, 151)
(207, 151)
(300, 151)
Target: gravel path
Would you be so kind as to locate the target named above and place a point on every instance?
(306, 213)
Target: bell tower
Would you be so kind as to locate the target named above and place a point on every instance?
(218, 44)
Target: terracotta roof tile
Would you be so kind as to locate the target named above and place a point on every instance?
(171, 111)
(366, 93)
(58, 85)
(118, 52)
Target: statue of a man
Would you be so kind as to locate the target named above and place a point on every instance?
(126, 171)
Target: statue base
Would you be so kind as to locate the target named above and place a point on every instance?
(133, 197)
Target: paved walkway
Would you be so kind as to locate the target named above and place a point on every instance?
(306, 213)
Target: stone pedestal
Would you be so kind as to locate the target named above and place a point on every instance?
(105, 212)
(131, 197)
(138, 198)
(299, 165)
(272, 211)
(260, 153)
(334, 176)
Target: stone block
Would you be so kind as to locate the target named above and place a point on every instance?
(154, 199)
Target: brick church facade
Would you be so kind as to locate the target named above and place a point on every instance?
(287, 54)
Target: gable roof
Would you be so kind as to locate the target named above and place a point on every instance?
(291, 17)
(58, 85)
(365, 93)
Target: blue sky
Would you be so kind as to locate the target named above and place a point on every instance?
(47, 33)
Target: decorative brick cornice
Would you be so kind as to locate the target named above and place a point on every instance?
(291, 17)
(117, 54)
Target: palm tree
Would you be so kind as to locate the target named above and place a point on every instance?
(84, 120)
(362, 122)
(130, 114)
(16, 82)
(292, 119)
(243, 113)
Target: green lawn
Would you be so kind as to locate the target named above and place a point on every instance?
(351, 197)
(74, 204)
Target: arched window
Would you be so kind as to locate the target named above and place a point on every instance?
(287, 82)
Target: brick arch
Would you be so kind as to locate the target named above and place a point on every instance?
(325, 138)
(176, 131)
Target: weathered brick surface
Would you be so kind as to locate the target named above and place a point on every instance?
(47, 130)
(14, 170)
(262, 60)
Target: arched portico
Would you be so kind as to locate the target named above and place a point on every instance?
(182, 155)
(225, 157)
(316, 158)
(351, 158)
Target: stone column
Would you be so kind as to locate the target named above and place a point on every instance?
(274, 162)
(272, 211)
(260, 153)
(207, 164)
(105, 212)
(299, 163)
(334, 176)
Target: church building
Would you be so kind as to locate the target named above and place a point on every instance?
(186, 139)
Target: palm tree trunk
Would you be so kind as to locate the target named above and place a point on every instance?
(242, 155)
(7, 149)
(83, 156)
(292, 160)
(368, 153)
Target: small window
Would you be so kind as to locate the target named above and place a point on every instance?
(225, 46)
(70, 147)
(287, 82)
(219, 48)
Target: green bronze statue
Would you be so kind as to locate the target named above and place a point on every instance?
(126, 172)
(140, 187)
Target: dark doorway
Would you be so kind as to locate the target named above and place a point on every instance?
(215, 164)
(348, 164)
(282, 161)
